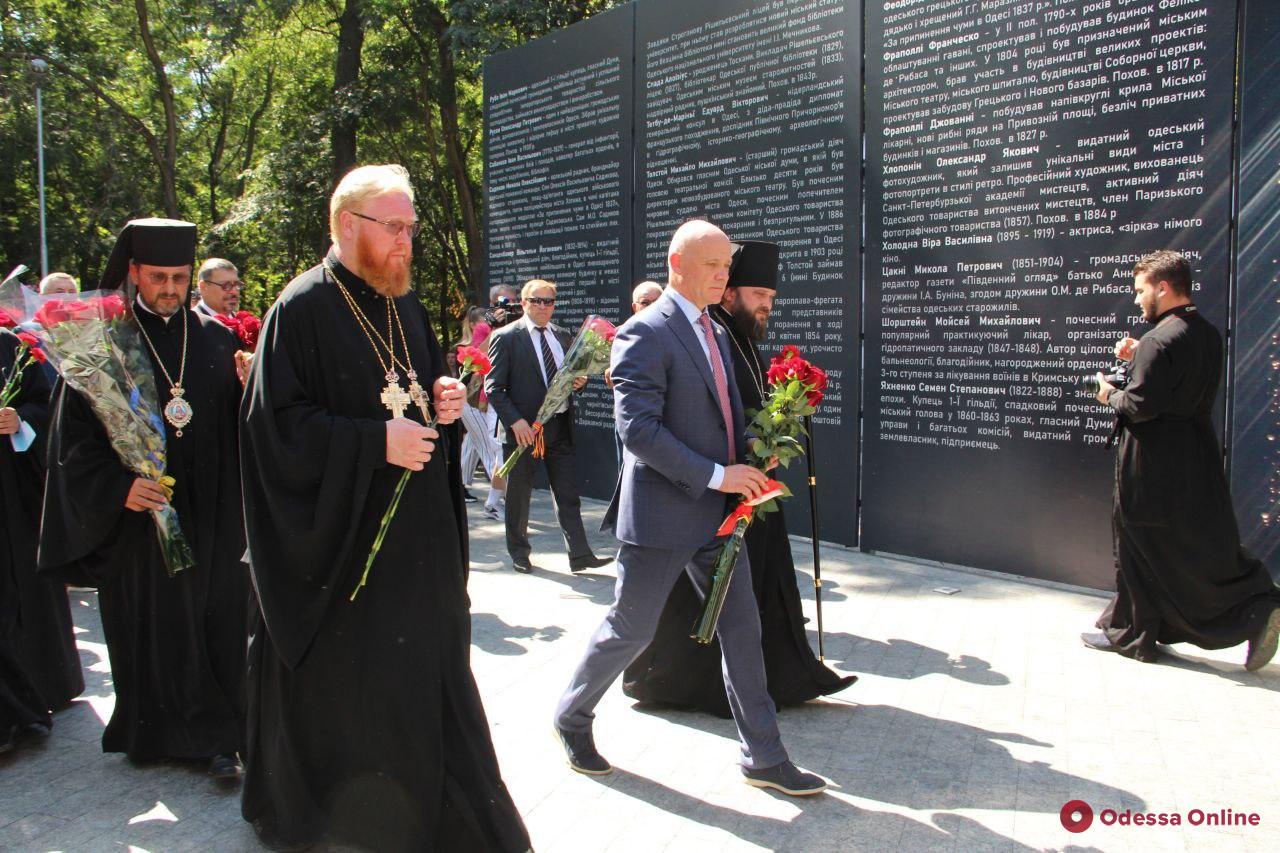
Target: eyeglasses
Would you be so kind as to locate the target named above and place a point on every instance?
(541, 300)
(395, 229)
(225, 285)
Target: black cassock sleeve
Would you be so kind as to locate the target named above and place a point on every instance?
(84, 495)
(306, 474)
(1152, 379)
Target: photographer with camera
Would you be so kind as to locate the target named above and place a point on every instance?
(504, 306)
(1181, 574)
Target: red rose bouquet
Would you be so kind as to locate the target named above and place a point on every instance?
(246, 326)
(588, 355)
(795, 391)
(470, 360)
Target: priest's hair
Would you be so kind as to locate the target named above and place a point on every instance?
(363, 183)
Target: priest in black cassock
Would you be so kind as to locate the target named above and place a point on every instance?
(365, 724)
(675, 670)
(39, 664)
(1181, 574)
(176, 644)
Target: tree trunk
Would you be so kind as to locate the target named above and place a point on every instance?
(463, 186)
(167, 152)
(346, 79)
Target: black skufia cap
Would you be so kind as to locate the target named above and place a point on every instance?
(754, 264)
(155, 242)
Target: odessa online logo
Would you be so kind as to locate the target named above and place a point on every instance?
(1076, 816)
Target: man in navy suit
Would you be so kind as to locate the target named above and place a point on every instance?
(680, 418)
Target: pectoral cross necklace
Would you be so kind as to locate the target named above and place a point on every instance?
(393, 396)
(177, 411)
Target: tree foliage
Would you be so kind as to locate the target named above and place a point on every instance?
(240, 114)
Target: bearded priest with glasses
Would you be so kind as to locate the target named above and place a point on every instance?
(365, 727)
(176, 643)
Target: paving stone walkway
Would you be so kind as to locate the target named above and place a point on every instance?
(977, 716)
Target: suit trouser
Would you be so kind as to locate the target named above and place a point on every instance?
(564, 493)
(645, 578)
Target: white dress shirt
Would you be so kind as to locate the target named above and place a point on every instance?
(557, 352)
(692, 314)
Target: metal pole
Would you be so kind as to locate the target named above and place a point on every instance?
(813, 523)
(40, 67)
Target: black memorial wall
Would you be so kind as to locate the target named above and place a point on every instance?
(748, 114)
(1255, 390)
(1019, 157)
(558, 191)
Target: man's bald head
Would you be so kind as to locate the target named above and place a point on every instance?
(699, 261)
(645, 294)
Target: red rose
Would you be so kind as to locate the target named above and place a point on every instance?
(52, 313)
(78, 309)
(7, 320)
(790, 351)
(29, 339)
(603, 328)
(250, 328)
(37, 355)
(229, 321)
(111, 306)
(474, 360)
(813, 398)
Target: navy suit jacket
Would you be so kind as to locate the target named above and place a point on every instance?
(672, 430)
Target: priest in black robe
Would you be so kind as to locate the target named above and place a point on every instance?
(365, 724)
(674, 670)
(1181, 573)
(176, 644)
(39, 665)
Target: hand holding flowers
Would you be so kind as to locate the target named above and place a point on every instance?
(795, 390)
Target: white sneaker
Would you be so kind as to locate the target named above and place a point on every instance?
(496, 512)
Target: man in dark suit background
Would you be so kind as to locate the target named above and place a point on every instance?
(525, 355)
(680, 416)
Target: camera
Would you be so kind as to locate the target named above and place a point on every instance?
(505, 310)
(1118, 377)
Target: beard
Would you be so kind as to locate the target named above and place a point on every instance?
(387, 276)
(750, 326)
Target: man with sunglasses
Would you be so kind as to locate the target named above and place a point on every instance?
(525, 355)
(220, 287)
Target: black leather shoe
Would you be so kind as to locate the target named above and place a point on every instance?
(580, 752)
(785, 777)
(225, 768)
(1100, 642)
(593, 562)
(1262, 645)
(522, 565)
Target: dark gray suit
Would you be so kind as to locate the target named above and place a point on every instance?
(665, 515)
(516, 388)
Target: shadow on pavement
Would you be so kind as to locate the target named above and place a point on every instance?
(491, 634)
(891, 755)
(822, 822)
(903, 659)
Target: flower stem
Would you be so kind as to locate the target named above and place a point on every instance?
(382, 532)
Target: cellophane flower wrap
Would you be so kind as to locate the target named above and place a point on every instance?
(588, 355)
(795, 392)
(93, 342)
(470, 360)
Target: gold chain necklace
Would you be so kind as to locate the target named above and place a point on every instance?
(177, 411)
(393, 395)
